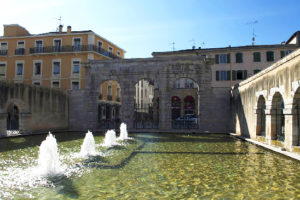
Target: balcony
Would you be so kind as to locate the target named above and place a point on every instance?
(109, 97)
(3, 52)
(20, 51)
(77, 48)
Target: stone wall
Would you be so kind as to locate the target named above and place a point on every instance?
(214, 109)
(39, 108)
(281, 80)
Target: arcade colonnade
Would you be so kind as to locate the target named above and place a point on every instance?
(266, 106)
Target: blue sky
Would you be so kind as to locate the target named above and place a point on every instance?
(143, 26)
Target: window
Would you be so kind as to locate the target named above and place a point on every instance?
(3, 46)
(76, 67)
(56, 67)
(21, 45)
(109, 90)
(77, 43)
(285, 53)
(36, 83)
(57, 45)
(270, 56)
(256, 71)
(239, 74)
(110, 49)
(223, 76)
(118, 92)
(55, 84)
(100, 44)
(2, 69)
(20, 48)
(19, 69)
(222, 58)
(119, 53)
(37, 68)
(75, 85)
(256, 57)
(39, 46)
(239, 57)
(189, 83)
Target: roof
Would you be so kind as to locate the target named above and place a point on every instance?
(247, 47)
(294, 35)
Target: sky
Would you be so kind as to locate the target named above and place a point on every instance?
(141, 27)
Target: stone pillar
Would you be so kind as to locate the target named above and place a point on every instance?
(3, 121)
(268, 126)
(127, 107)
(165, 121)
(288, 127)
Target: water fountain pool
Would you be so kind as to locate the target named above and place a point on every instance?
(152, 166)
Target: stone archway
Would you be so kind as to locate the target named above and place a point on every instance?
(296, 119)
(12, 119)
(109, 104)
(277, 118)
(261, 117)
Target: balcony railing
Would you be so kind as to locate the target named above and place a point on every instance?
(109, 97)
(3, 52)
(20, 51)
(79, 48)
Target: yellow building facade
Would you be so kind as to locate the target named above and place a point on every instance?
(52, 59)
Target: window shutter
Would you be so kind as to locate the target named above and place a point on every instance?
(233, 75)
(217, 75)
(228, 58)
(217, 58)
(228, 75)
(245, 74)
(282, 54)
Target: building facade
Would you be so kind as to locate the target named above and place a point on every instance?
(234, 64)
(51, 59)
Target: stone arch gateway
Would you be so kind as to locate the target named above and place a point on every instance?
(162, 72)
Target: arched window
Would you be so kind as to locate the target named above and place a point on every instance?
(277, 118)
(261, 117)
(176, 107)
(189, 105)
(296, 119)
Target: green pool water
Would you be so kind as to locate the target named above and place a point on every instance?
(152, 166)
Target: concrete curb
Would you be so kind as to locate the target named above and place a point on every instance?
(272, 148)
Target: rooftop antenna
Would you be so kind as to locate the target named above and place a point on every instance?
(59, 20)
(193, 41)
(173, 46)
(253, 33)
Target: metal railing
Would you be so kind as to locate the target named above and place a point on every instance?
(76, 48)
(148, 124)
(20, 51)
(109, 97)
(109, 124)
(3, 52)
(184, 124)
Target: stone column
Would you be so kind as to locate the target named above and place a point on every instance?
(165, 122)
(127, 107)
(3, 118)
(268, 126)
(288, 127)
(92, 105)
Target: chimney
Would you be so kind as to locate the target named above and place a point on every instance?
(60, 28)
(69, 29)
